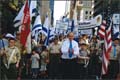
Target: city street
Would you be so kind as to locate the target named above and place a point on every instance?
(69, 39)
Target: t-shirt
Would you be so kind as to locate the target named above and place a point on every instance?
(35, 61)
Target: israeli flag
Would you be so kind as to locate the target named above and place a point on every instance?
(18, 19)
(45, 28)
(36, 27)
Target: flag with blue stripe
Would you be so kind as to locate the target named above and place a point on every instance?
(51, 35)
(45, 27)
(36, 27)
(18, 19)
(37, 24)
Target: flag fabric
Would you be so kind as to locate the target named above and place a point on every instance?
(25, 30)
(101, 31)
(33, 7)
(46, 26)
(49, 37)
(107, 49)
(19, 18)
(36, 27)
(52, 33)
(37, 24)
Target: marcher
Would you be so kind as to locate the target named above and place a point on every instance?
(54, 65)
(83, 61)
(35, 63)
(95, 62)
(70, 51)
(114, 60)
(11, 58)
(44, 61)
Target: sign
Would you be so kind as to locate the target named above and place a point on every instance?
(87, 31)
(91, 23)
(116, 18)
(61, 25)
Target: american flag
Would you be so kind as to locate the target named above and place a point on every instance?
(105, 32)
(101, 31)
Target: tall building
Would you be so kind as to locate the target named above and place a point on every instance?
(102, 6)
(85, 9)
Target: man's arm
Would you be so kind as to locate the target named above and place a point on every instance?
(18, 57)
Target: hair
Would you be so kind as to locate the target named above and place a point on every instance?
(11, 39)
(44, 48)
(116, 39)
(56, 38)
(35, 49)
(69, 33)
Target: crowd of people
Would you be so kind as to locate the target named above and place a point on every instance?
(64, 58)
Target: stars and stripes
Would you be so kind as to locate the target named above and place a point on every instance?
(107, 47)
(101, 31)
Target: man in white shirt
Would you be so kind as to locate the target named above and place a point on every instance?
(70, 51)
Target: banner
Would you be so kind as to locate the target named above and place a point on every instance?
(87, 31)
(61, 25)
(91, 23)
(116, 19)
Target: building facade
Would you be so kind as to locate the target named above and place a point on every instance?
(105, 7)
(86, 10)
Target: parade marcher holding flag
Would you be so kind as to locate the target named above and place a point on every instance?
(11, 59)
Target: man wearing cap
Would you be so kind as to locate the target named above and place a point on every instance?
(11, 58)
(70, 51)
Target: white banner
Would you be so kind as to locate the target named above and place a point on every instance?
(91, 23)
(116, 18)
(61, 25)
(87, 31)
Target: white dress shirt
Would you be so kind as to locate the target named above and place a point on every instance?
(65, 49)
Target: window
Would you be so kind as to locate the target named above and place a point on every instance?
(86, 17)
(90, 12)
(90, 17)
(86, 12)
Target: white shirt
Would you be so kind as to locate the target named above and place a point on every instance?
(35, 61)
(65, 48)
